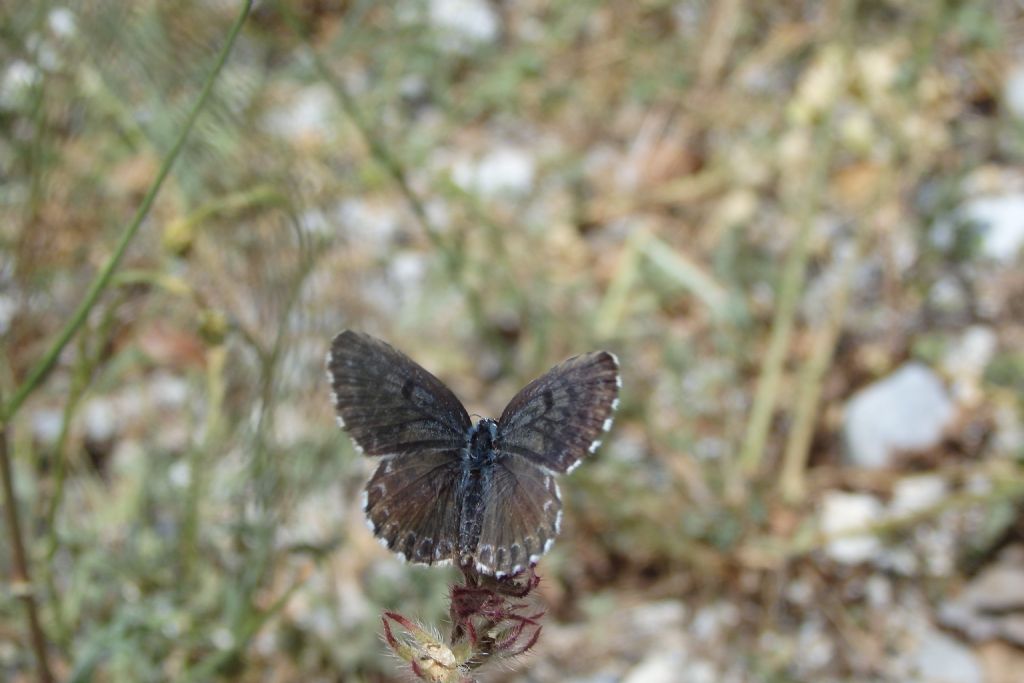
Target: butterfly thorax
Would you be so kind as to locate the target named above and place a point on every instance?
(475, 481)
(480, 440)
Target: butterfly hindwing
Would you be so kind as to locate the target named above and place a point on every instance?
(387, 403)
(520, 519)
(556, 419)
(411, 505)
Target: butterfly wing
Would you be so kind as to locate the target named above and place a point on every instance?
(387, 403)
(411, 506)
(520, 519)
(557, 418)
(546, 429)
(393, 408)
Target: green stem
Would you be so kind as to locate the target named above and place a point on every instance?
(793, 482)
(798, 445)
(790, 287)
(79, 380)
(213, 432)
(99, 284)
(87, 360)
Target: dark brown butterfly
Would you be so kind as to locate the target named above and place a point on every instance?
(484, 494)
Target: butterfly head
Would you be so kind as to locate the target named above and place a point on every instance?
(481, 437)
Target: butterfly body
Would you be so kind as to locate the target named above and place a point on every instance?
(475, 480)
(484, 494)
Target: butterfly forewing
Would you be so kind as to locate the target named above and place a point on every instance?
(411, 505)
(389, 404)
(521, 517)
(558, 418)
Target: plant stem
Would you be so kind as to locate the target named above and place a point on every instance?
(59, 632)
(216, 358)
(785, 314)
(721, 35)
(792, 483)
(794, 460)
(21, 580)
(102, 279)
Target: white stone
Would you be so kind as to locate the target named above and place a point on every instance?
(100, 420)
(907, 411)
(1001, 220)
(168, 391)
(815, 648)
(315, 222)
(990, 605)
(407, 270)
(62, 22)
(1013, 91)
(947, 294)
(712, 622)
(842, 513)
(463, 23)
(8, 307)
(878, 591)
(371, 224)
(913, 494)
(504, 171)
(17, 78)
(966, 360)
(901, 560)
(658, 667)
(652, 619)
(291, 424)
(222, 638)
(938, 658)
(46, 424)
(308, 114)
(179, 474)
(799, 591)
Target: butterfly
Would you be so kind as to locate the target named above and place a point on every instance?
(483, 495)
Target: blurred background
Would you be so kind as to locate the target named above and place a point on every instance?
(798, 224)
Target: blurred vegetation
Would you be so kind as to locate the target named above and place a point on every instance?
(753, 205)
